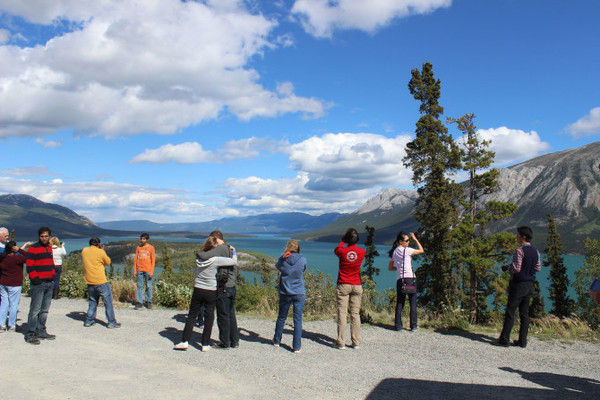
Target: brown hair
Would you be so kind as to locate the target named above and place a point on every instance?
(217, 234)
(210, 243)
(292, 246)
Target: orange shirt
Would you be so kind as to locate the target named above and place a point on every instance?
(144, 259)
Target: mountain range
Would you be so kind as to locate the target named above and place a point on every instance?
(565, 184)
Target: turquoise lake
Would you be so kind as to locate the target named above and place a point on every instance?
(320, 256)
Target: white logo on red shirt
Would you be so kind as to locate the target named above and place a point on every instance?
(351, 256)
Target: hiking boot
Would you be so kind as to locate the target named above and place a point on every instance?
(148, 305)
(519, 343)
(46, 336)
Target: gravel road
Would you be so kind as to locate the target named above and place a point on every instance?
(137, 362)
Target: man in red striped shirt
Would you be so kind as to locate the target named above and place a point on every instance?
(40, 268)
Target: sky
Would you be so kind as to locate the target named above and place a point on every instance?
(190, 111)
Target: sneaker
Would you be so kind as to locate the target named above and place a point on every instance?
(138, 306)
(46, 336)
(148, 305)
(85, 324)
(221, 346)
(2, 328)
(297, 351)
(416, 328)
(32, 339)
(356, 347)
(519, 343)
(235, 346)
(10, 329)
(342, 347)
(181, 346)
(501, 343)
(114, 326)
(205, 349)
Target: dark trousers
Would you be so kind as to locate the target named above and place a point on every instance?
(200, 297)
(400, 299)
(519, 295)
(228, 329)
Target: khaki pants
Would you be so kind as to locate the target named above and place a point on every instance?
(352, 295)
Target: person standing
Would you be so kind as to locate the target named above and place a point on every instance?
(401, 262)
(143, 270)
(226, 293)
(58, 251)
(291, 266)
(205, 292)
(11, 283)
(95, 261)
(3, 238)
(349, 288)
(526, 262)
(40, 269)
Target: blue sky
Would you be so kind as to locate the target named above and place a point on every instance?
(193, 111)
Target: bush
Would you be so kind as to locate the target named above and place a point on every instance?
(172, 295)
(320, 295)
(124, 290)
(257, 299)
(72, 285)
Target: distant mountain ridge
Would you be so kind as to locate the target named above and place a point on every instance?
(26, 214)
(565, 184)
(278, 223)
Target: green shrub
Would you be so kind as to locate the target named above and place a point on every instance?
(320, 295)
(72, 285)
(257, 299)
(172, 295)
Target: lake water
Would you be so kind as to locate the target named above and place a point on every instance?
(319, 256)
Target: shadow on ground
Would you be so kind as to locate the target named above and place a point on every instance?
(477, 337)
(555, 387)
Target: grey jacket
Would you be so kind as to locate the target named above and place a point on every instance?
(206, 271)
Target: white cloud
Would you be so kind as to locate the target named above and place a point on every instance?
(4, 36)
(336, 172)
(193, 153)
(512, 145)
(101, 201)
(129, 67)
(48, 144)
(27, 171)
(586, 126)
(321, 17)
(351, 161)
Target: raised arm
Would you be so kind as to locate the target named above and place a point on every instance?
(419, 249)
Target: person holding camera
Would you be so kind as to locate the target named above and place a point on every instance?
(526, 262)
(406, 280)
(95, 262)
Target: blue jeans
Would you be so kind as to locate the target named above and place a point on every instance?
(95, 292)
(400, 299)
(284, 306)
(41, 297)
(11, 296)
(58, 271)
(140, 286)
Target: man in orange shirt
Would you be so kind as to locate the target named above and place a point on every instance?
(143, 269)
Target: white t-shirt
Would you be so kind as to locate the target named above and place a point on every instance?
(403, 262)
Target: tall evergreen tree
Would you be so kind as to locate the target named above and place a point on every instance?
(562, 304)
(370, 271)
(475, 251)
(432, 156)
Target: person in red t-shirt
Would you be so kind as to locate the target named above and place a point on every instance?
(349, 288)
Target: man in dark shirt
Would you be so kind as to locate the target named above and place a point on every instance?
(526, 262)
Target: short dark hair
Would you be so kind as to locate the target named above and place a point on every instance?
(217, 234)
(526, 232)
(145, 235)
(44, 229)
(351, 236)
(94, 241)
